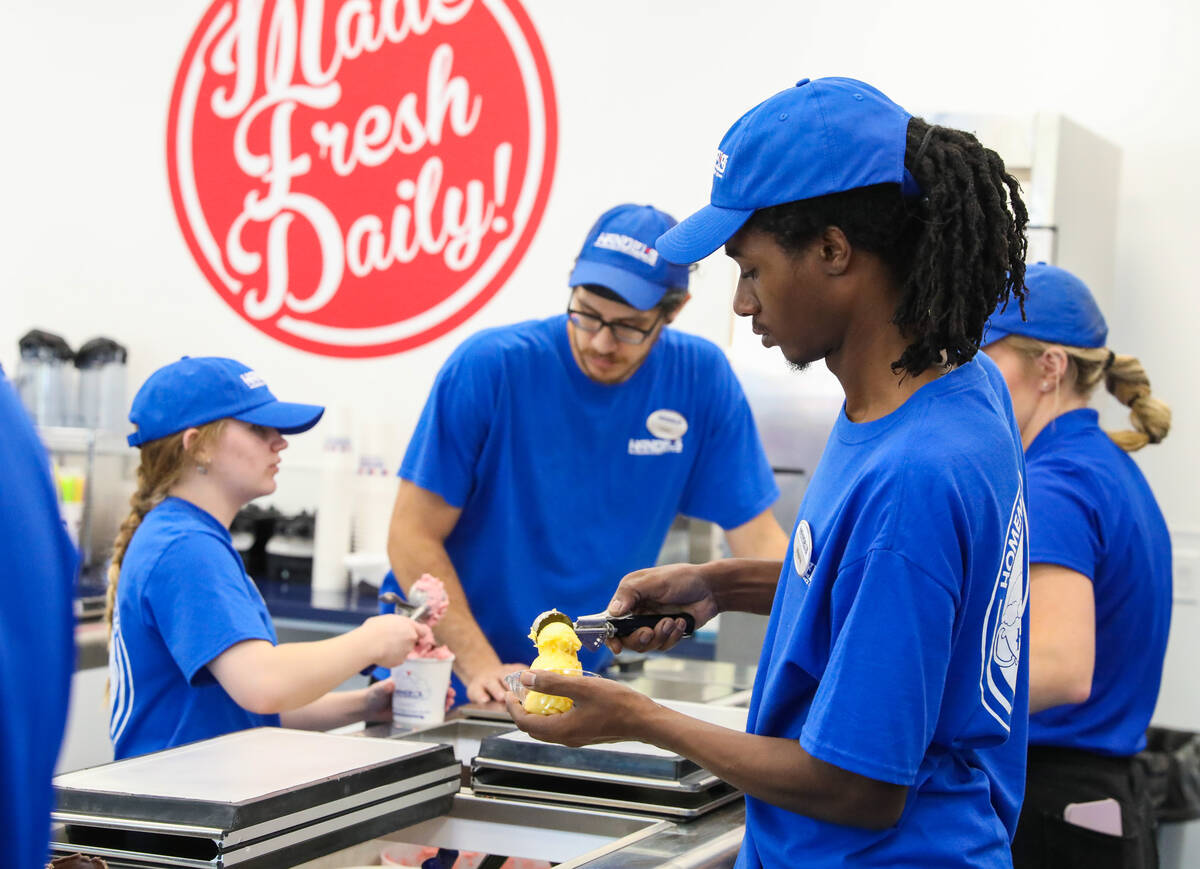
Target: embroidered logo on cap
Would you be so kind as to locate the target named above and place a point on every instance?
(626, 245)
(720, 163)
(253, 379)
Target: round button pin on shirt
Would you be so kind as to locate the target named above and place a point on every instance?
(802, 548)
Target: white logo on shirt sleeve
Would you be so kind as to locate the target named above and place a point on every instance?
(1001, 640)
(120, 681)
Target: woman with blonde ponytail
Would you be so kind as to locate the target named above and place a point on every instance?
(1100, 576)
(192, 651)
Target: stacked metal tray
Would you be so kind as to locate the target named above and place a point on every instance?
(255, 799)
(624, 776)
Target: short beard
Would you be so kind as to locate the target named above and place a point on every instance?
(798, 367)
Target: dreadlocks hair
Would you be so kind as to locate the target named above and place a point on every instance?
(956, 252)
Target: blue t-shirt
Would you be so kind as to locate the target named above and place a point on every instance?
(183, 598)
(1092, 511)
(893, 648)
(565, 484)
(37, 634)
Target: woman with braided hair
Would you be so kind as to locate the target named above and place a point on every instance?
(1100, 578)
(887, 725)
(192, 651)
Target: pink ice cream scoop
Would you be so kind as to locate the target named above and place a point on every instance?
(429, 593)
(430, 590)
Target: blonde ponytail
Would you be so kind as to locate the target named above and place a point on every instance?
(1123, 376)
(1126, 379)
(162, 465)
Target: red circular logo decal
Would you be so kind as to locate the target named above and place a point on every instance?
(356, 178)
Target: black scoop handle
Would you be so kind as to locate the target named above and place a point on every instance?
(623, 626)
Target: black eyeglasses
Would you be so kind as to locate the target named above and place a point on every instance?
(623, 332)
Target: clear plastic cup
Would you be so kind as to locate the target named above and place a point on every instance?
(513, 680)
(420, 695)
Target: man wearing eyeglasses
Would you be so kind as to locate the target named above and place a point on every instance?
(553, 455)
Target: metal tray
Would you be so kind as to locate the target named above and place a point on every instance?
(463, 735)
(618, 758)
(699, 780)
(251, 778)
(247, 797)
(124, 843)
(493, 711)
(561, 789)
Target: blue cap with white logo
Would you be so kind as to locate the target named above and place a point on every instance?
(819, 137)
(1059, 309)
(203, 389)
(619, 255)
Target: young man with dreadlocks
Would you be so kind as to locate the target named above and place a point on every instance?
(888, 721)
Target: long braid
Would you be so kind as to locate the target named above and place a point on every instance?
(955, 252)
(1123, 376)
(162, 465)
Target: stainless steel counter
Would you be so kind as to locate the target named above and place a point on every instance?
(618, 839)
(709, 842)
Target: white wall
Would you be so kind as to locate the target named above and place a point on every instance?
(89, 242)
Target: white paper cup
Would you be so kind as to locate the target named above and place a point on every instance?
(420, 695)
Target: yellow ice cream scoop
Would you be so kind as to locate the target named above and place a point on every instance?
(557, 644)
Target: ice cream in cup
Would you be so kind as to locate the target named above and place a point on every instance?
(423, 680)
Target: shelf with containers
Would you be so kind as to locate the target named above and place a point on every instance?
(95, 472)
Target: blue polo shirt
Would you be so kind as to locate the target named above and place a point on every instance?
(893, 647)
(565, 484)
(1092, 511)
(37, 633)
(183, 598)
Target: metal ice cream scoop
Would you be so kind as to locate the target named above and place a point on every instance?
(593, 630)
(416, 607)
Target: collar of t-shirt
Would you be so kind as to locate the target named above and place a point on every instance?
(1064, 425)
(952, 381)
(562, 342)
(171, 504)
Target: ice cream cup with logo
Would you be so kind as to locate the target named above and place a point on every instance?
(421, 686)
(423, 680)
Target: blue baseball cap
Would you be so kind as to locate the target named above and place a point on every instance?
(819, 137)
(203, 389)
(1059, 309)
(619, 254)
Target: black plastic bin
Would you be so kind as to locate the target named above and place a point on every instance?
(1172, 764)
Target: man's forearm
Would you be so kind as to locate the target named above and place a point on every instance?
(743, 584)
(777, 771)
(457, 628)
(761, 537)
